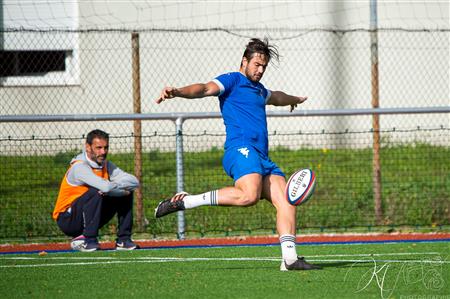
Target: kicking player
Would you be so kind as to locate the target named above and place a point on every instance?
(243, 101)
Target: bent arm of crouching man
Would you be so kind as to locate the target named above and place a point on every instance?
(125, 182)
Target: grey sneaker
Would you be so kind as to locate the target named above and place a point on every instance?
(299, 264)
(81, 243)
(166, 207)
(126, 245)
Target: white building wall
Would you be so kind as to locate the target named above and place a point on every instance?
(333, 69)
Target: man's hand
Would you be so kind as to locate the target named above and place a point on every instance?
(300, 100)
(167, 93)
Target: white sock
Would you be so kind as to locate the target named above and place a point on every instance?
(205, 199)
(288, 250)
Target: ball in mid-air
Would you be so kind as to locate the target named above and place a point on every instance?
(300, 186)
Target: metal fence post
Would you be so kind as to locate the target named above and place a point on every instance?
(180, 173)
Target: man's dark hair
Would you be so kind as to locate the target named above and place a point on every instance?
(255, 45)
(96, 134)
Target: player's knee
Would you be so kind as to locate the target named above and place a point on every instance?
(249, 200)
(280, 202)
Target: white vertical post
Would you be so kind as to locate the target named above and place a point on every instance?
(180, 173)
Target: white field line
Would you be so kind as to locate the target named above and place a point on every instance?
(376, 254)
(115, 260)
(256, 258)
(164, 260)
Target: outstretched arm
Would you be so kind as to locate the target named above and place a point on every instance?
(194, 91)
(279, 98)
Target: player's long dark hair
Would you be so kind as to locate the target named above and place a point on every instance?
(255, 45)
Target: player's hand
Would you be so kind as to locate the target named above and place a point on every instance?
(167, 93)
(178, 196)
(300, 100)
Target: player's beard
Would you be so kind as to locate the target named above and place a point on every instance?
(254, 77)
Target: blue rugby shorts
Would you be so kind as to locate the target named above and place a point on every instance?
(242, 160)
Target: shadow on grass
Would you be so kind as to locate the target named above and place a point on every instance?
(324, 266)
(343, 264)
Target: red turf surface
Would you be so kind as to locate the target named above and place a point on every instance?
(319, 238)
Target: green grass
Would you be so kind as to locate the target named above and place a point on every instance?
(402, 269)
(415, 190)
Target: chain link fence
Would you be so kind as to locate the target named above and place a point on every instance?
(332, 68)
(91, 72)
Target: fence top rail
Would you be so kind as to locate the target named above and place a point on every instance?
(232, 30)
(181, 116)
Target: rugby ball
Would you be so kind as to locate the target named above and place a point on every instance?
(300, 186)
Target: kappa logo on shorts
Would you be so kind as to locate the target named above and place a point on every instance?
(244, 151)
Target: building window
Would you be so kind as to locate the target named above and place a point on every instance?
(39, 43)
(27, 63)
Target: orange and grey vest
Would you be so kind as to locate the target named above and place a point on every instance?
(69, 193)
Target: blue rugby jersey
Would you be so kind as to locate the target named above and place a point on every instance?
(243, 107)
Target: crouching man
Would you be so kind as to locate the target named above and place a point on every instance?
(92, 191)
